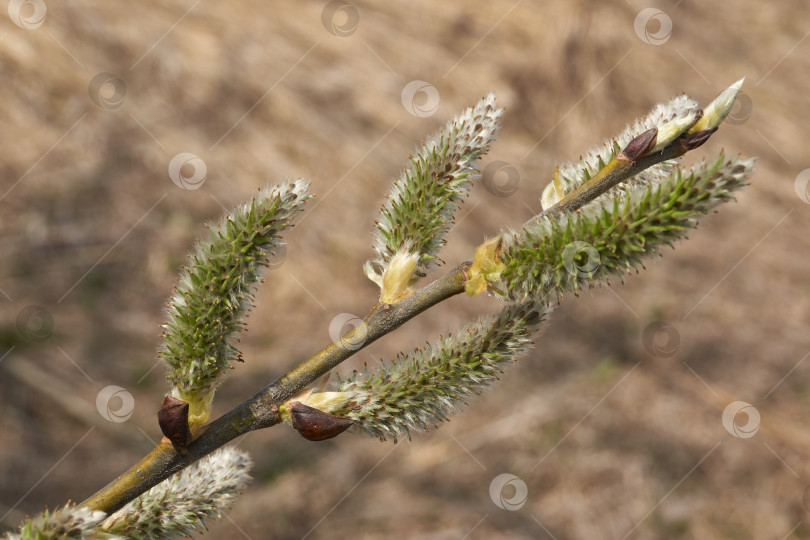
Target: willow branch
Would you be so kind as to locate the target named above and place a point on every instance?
(623, 167)
(261, 410)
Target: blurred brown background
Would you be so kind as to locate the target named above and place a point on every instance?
(611, 439)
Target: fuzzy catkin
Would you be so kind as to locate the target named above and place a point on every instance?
(215, 291)
(574, 174)
(418, 211)
(68, 521)
(421, 389)
(611, 235)
(179, 505)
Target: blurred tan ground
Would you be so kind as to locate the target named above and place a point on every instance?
(608, 438)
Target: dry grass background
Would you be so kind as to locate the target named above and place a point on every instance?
(610, 439)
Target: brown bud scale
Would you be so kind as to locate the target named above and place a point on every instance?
(639, 146)
(173, 420)
(693, 140)
(316, 425)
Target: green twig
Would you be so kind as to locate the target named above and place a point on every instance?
(262, 410)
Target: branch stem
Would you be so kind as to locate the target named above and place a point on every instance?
(261, 410)
(615, 172)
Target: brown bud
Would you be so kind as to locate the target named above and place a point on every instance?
(316, 425)
(693, 140)
(639, 146)
(173, 420)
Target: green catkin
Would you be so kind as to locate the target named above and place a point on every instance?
(574, 174)
(530, 268)
(620, 228)
(421, 389)
(418, 211)
(180, 505)
(215, 292)
(68, 521)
